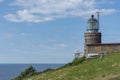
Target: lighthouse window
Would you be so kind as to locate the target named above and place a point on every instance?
(91, 48)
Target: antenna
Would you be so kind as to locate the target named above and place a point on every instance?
(98, 17)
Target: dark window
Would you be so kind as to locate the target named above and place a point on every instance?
(91, 48)
(114, 47)
(103, 48)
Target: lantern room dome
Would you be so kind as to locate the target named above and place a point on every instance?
(92, 25)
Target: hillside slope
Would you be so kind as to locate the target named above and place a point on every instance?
(106, 68)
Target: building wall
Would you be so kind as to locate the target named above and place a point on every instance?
(92, 38)
(93, 49)
(79, 54)
(103, 48)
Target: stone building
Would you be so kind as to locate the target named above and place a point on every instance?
(93, 42)
(78, 54)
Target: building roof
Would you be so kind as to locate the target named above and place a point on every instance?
(92, 19)
(98, 44)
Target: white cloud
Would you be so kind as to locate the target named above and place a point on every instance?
(108, 11)
(62, 45)
(25, 15)
(45, 10)
(102, 11)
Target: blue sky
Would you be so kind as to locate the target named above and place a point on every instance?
(50, 31)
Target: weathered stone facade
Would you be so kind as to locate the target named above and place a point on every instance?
(105, 48)
(92, 38)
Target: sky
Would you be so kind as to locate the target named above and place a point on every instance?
(51, 31)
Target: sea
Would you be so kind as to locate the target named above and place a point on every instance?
(9, 71)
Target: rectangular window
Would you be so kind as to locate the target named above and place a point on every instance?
(103, 48)
(91, 48)
(114, 48)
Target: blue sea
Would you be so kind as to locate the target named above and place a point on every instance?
(9, 71)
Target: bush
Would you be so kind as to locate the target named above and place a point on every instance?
(48, 70)
(26, 73)
(77, 61)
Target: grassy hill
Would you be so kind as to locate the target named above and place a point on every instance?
(106, 68)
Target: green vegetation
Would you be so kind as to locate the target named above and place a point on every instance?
(106, 68)
(27, 73)
(76, 61)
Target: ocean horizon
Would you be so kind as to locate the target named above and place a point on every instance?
(9, 71)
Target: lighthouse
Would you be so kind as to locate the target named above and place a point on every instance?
(92, 34)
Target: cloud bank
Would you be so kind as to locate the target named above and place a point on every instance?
(46, 10)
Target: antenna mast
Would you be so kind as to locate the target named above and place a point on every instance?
(98, 17)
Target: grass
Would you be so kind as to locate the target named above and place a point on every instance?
(106, 68)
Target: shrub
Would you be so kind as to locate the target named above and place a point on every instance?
(26, 73)
(77, 61)
(49, 69)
